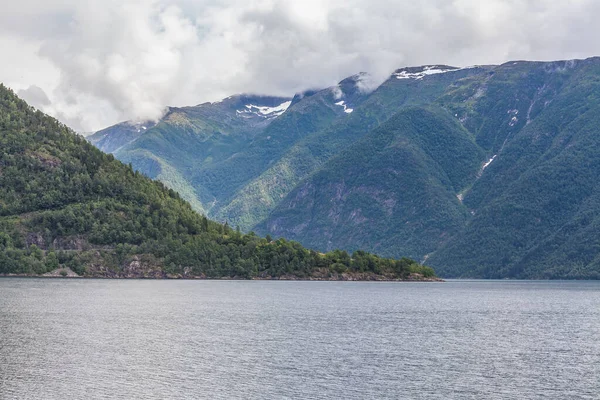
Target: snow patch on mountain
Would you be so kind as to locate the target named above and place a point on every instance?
(342, 103)
(264, 111)
(426, 71)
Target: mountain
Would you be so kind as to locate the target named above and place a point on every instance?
(252, 173)
(395, 188)
(486, 171)
(207, 131)
(523, 174)
(535, 207)
(66, 206)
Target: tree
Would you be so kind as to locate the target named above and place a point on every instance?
(51, 261)
(36, 253)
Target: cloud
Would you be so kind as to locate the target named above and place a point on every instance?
(103, 61)
(131, 54)
(35, 96)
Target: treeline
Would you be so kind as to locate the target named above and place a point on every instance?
(65, 203)
(209, 254)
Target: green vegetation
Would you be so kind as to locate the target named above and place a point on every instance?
(240, 170)
(64, 203)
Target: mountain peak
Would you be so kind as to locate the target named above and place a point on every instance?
(307, 93)
(355, 79)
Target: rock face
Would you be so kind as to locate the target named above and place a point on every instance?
(70, 243)
(142, 268)
(36, 238)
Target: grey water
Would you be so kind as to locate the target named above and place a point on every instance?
(153, 339)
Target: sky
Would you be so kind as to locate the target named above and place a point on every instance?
(93, 63)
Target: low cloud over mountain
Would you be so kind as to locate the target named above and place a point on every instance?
(99, 62)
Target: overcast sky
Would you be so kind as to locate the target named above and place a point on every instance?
(92, 63)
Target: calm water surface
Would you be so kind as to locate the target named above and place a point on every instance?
(138, 339)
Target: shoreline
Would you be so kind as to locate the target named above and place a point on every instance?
(200, 278)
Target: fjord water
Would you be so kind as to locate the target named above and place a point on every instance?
(142, 339)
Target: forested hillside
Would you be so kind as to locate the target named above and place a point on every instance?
(63, 203)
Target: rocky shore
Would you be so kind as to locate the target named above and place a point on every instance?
(345, 277)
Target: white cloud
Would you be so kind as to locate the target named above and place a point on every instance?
(35, 96)
(102, 61)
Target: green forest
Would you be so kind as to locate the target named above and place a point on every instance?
(64, 203)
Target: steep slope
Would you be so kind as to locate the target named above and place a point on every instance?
(235, 115)
(224, 177)
(111, 139)
(65, 203)
(535, 206)
(395, 190)
(242, 178)
(211, 151)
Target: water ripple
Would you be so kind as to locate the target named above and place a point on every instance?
(96, 339)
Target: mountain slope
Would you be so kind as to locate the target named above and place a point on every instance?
(245, 181)
(394, 189)
(536, 205)
(111, 139)
(65, 203)
(207, 132)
